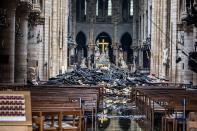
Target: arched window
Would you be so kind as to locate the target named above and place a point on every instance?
(81, 46)
(81, 9)
(109, 8)
(126, 42)
(97, 8)
(131, 8)
(102, 7)
(85, 10)
(103, 10)
(125, 10)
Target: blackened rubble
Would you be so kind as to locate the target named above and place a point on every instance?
(113, 77)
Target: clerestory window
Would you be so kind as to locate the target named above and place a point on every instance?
(131, 8)
(109, 8)
(81, 10)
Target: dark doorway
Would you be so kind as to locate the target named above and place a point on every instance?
(146, 59)
(126, 42)
(81, 50)
(106, 38)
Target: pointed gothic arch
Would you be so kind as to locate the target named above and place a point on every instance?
(126, 42)
(81, 50)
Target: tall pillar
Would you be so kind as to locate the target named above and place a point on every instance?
(7, 46)
(194, 73)
(90, 53)
(91, 41)
(74, 25)
(115, 43)
(188, 39)
(32, 54)
(40, 52)
(91, 19)
(35, 51)
(115, 53)
(21, 46)
(65, 34)
(54, 45)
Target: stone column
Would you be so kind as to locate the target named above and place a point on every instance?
(90, 52)
(90, 41)
(65, 33)
(115, 53)
(7, 46)
(35, 53)
(41, 52)
(91, 19)
(154, 39)
(125, 55)
(115, 43)
(21, 47)
(32, 54)
(74, 25)
(194, 74)
(188, 39)
(54, 45)
(115, 19)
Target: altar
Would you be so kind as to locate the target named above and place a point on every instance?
(102, 56)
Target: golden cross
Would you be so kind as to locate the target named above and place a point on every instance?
(103, 44)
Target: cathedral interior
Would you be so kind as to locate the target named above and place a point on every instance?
(98, 65)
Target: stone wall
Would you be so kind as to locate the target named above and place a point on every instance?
(33, 39)
(50, 52)
(55, 36)
(168, 32)
(8, 53)
(142, 26)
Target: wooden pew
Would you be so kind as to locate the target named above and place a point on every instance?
(61, 95)
(84, 94)
(89, 98)
(57, 108)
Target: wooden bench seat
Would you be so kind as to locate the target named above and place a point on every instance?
(60, 109)
(55, 102)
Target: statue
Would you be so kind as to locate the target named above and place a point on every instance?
(83, 63)
(97, 52)
(122, 61)
(123, 64)
(165, 56)
(32, 75)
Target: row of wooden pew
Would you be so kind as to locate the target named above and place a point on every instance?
(61, 108)
(64, 105)
(174, 104)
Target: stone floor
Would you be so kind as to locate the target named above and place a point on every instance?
(117, 113)
(113, 125)
(118, 124)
